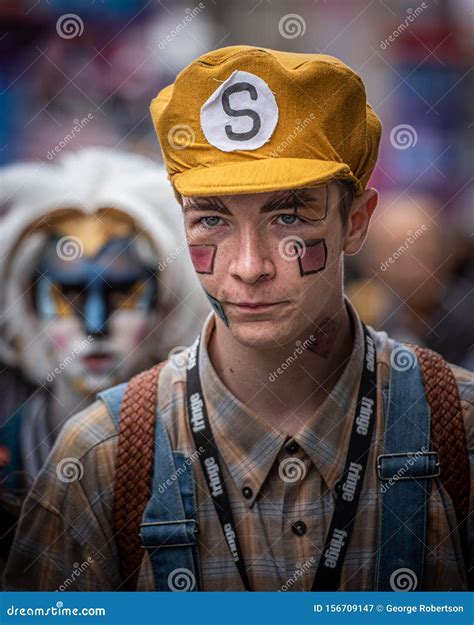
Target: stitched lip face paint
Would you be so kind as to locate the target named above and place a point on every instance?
(313, 257)
(217, 306)
(203, 257)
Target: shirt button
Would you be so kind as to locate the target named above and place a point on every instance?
(247, 492)
(292, 447)
(299, 528)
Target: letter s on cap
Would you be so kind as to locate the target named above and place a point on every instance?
(241, 114)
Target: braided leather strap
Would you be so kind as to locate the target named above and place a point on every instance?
(134, 468)
(447, 429)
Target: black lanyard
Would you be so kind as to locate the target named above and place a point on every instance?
(330, 564)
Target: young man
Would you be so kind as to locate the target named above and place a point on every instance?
(278, 437)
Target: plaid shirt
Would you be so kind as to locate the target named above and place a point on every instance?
(66, 539)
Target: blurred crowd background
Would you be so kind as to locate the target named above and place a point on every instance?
(81, 73)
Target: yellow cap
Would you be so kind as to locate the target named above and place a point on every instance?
(248, 120)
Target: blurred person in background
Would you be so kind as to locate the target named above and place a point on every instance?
(96, 286)
(416, 275)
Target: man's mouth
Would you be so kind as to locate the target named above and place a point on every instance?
(254, 307)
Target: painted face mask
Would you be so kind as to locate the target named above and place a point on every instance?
(95, 308)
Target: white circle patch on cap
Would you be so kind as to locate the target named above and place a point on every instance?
(241, 114)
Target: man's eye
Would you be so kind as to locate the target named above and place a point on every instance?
(210, 222)
(288, 219)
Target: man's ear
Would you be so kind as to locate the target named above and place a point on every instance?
(359, 218)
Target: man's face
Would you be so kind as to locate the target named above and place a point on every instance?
(272, 261)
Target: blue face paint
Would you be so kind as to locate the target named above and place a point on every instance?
(215, 303)
(115, 269)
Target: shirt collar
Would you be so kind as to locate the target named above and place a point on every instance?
(249, 446)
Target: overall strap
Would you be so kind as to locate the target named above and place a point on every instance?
(169, 527)
(112, 398)
(152, 484)
(448, 434)
(405, 469)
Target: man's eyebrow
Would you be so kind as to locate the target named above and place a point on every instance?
(206, 204)
(291, 199)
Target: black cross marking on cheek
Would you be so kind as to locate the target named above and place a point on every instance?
(217, 306)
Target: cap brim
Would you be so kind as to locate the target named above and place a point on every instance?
(258, 176)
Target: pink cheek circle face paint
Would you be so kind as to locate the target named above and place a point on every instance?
(203, 257)
(312, 257)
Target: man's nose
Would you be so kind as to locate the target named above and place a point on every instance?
(252, 258)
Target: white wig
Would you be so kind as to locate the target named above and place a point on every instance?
(88, 181)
